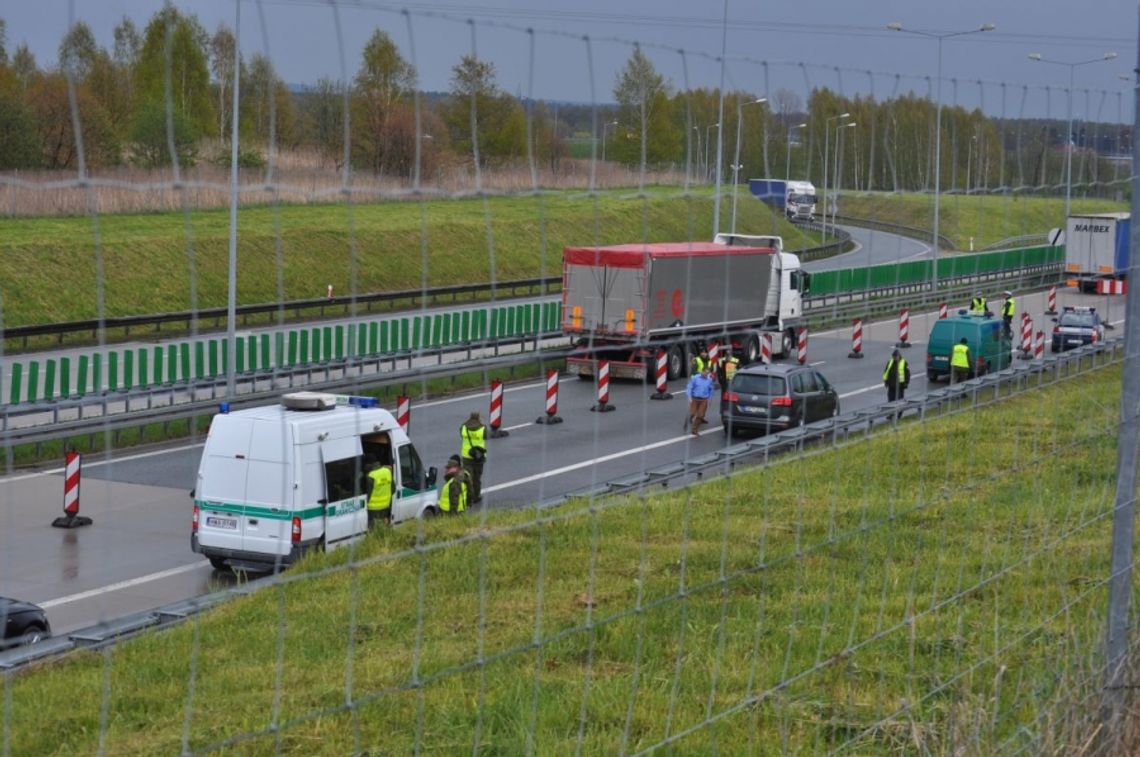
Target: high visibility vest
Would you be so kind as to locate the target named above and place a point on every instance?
(1008, 308)
(445, 494)
(698, 364)
(900, 370)
(381, 498)
(472, 438)
(730, 366)
(961, 357)
(978, 305)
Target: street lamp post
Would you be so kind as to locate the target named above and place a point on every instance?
(697, 129)
(708, 137)
(605, 127)
(788, 164)
(834, 197)
(1069, 137)
(969, 158)
(736, 164)
(938, 133)
(827, 164)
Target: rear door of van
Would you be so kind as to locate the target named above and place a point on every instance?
(220, 493)
(268, 512)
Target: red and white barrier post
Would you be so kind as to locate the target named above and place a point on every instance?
(662, 375)
(1039, 352)
(404, 411)
(801, 346)
(714, 352)
(71, 517)
(766, 349)
(551, 415)
(497, 409)
(904, 329)
(942, 311)
(1026, 336)
(1052, 301)
(856, 339)
(603, 405)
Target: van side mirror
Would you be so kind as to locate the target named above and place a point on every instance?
(433, 472)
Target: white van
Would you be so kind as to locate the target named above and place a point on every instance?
(278, 480)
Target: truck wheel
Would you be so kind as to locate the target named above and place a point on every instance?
(788, 343)
(752, 350)
(675, 362)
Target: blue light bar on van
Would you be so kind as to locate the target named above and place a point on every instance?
(223, 408)
(364, 402)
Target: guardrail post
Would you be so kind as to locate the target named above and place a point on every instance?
(65, 377)
(33, 380)
(81, 376)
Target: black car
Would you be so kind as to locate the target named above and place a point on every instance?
(1076, 327)
(23, 622)
(775, 397)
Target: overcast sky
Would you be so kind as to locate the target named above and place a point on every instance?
(302, 39)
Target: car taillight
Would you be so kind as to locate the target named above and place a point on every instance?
(731, 397)
(1056, 329)
(194, 520)
(781, 402)
(1094, 337)
(296, 536)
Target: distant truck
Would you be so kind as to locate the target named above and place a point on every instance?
(623, 303)
(796, 198)
(1096, 247)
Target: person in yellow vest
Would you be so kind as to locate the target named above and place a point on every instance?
(378, 488)
(1008, 309)
(727, 366)
(700, 361)
(896, 376)
(473, 435)
(454, 493)
(978, 305)
(960, 362)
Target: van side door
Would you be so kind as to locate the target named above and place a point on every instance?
(343, 500)
(414, 492)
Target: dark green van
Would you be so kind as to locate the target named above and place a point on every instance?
(989, 349)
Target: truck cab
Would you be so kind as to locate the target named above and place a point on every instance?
(799, 205)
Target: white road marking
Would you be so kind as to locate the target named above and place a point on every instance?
(123, 584)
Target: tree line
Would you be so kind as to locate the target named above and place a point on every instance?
(170, 87)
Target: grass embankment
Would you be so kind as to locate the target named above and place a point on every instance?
(987, 218)
(934, 588)
(151, 262)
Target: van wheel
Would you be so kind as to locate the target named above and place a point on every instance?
(430, 512)
(219, 564)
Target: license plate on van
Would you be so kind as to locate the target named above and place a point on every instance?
(230, 524)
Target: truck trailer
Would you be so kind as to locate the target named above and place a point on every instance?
(623, 303)
(1096, 247)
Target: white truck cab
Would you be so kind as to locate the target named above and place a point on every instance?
(278, 480)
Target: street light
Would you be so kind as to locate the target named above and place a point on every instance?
(827, 164)
(898, 27)
(707, 138)
(969, 157)
(697, 129)
(606, 126)
(737, 165)
(1069, 137)
(838, 175)
(788, 165)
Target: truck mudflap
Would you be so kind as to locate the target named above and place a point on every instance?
(624, 369)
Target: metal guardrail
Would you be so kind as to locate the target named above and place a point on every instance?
(966, 395)
(841, 244)
(1018, 241)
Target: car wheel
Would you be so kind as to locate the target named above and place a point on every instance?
(218, 563)
(33, 634)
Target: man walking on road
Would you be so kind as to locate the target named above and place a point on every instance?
(473, 434)
(699, 390)
(896, 376)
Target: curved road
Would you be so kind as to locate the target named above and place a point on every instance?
(873, 248)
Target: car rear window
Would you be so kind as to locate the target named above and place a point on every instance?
(1078, 320)
(772, 386)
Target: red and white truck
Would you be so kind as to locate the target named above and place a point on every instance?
(623, 303)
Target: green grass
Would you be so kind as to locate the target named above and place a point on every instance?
(933, 588)
(51, 272)
(987, 218)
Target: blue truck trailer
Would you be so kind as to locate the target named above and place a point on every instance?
(1096, 248)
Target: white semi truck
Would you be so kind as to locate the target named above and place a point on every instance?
(623, 303)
